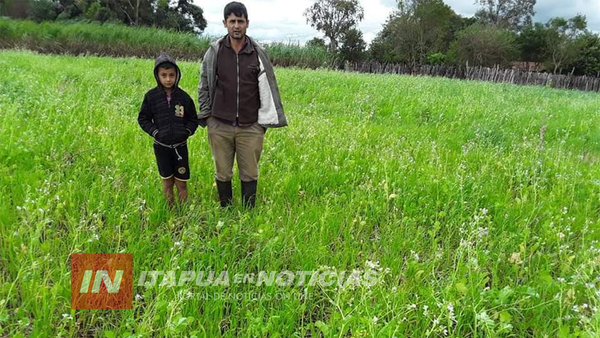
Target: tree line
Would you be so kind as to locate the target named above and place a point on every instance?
(179, 15)
(428, 32)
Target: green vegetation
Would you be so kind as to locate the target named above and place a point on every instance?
(107, 39)
(288, 55)
(500, 34)
(99, 39)
(180, 15)
(477, 204)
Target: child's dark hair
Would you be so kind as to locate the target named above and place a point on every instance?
(166, 65)
(236, 8)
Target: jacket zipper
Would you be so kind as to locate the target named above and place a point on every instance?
(166, 97)
(170, 113)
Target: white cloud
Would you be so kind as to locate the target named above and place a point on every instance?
(279, 20)
(545, 9)
(463, 7)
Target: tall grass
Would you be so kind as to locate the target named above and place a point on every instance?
(289, 54)
(88, 38)
(99, 39)
(477, 202)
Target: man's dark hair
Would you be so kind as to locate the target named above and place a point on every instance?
(166, 65)
(236, 8)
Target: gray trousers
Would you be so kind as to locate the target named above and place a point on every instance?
(228, 142)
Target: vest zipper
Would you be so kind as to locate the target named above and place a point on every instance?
(237, 112)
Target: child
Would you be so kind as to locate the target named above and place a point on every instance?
(168, 114)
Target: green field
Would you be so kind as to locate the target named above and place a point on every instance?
(478, 203)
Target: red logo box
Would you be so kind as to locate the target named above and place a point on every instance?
(101, 281)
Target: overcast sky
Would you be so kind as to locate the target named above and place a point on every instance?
(282, 20)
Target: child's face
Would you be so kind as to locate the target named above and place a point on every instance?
(167, 77)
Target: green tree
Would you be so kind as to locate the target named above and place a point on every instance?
(316, 42)
(509, 14)
(192, 16)
(129, 10)
(587, 61)
(398, 41)
(97, 12)
(436, 58)
(484, 45)
(181, 15)
(437, 24)
(562, 42)
(533, 43)
(418, 29)
(334, 18)
(43, 10)
(14, 8)
(353, 46)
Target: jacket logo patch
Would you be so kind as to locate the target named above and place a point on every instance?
(179, 110)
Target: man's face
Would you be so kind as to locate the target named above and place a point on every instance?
(236, 26)
(167, 77)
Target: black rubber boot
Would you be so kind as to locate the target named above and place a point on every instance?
(225, 193)
(249, 194)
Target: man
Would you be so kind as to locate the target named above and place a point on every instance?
(238, 99)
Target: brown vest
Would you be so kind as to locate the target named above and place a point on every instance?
(237, 99)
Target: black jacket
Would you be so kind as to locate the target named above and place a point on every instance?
(160, 119)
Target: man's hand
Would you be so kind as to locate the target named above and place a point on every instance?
(202, 122)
